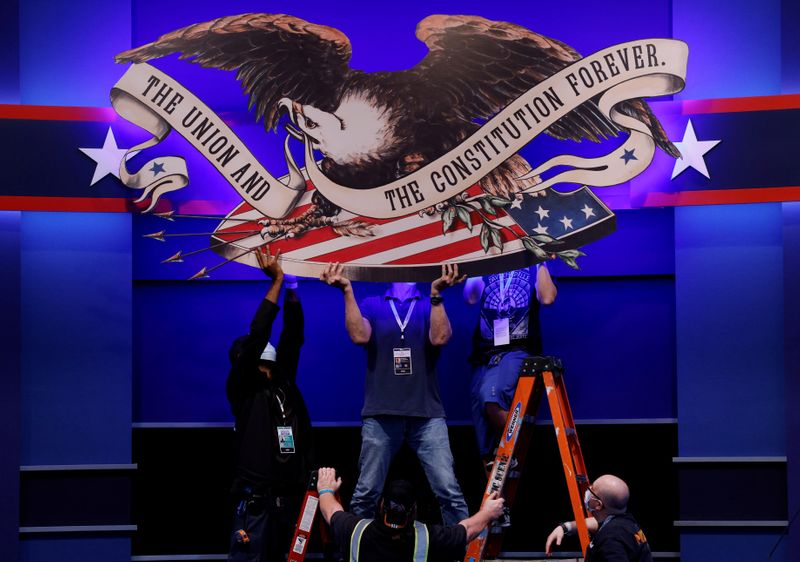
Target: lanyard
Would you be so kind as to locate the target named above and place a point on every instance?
(280, 403)
(504, 288)
(603, 524)
(402, 325)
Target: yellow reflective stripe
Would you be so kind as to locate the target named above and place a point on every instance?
(421, 542)
(355, 538)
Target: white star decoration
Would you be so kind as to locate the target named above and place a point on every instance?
(107, 158)
(540, 229)
(517, 204)
(542, 213)
(566, 222)
(587, 210)
(692, 151)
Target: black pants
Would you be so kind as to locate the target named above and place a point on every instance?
(268, 522)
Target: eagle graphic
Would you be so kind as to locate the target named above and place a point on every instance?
(373, 128)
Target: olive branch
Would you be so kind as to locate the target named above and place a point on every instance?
(461, 209)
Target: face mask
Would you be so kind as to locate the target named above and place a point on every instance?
(587, 497)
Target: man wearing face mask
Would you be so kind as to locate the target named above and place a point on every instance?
(402, 333)
(272, 438)
(616, 536)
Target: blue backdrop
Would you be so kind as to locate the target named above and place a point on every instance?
(671, 317)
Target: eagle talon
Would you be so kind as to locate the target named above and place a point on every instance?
(268, 231)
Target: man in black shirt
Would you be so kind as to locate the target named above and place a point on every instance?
(616, 536)
(395, 536)
(272, 437)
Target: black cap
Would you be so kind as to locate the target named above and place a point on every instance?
(399, 501)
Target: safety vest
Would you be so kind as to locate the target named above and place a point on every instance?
(420, 540)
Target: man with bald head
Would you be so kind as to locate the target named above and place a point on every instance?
(616, 536)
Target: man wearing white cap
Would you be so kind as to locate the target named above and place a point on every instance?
(272, 439)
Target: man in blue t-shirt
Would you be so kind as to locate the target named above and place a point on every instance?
(508, 331)
(402, 334)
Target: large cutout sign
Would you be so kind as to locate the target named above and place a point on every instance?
(406, 170)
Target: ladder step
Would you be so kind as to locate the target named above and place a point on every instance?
(543, 376)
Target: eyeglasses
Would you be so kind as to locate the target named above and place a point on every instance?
(589, 493)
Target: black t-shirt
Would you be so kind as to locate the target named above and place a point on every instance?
(619, 539)
(262, 406)
(513, 296)
(382, 544)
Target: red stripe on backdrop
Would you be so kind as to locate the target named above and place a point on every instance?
(57, 113)
(723, 197)
(107, 114)
(75, 204)
(733, 105)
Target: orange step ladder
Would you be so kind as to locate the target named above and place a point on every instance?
(537, 376)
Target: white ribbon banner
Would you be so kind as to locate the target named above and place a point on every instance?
(155, 102)
(644, 68)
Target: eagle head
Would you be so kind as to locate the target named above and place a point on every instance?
(361, 131)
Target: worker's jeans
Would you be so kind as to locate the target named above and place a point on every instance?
(381, 438)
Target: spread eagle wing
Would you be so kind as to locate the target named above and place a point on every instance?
(275, 56)
(478, 66)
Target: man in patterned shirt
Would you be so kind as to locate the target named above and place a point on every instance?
(508, 331)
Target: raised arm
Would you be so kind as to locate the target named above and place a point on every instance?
(491, 509)
(545, 288)
(292, 335)
(271, 266)
(440, 330)
(245, 362)
(327, 486)
(261, 326)
(358, 327)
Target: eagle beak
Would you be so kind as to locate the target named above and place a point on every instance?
(285, 104)
(291, 107)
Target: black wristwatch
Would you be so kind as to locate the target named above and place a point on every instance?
(437, 300)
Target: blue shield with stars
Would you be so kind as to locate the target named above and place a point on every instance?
(575, 219)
